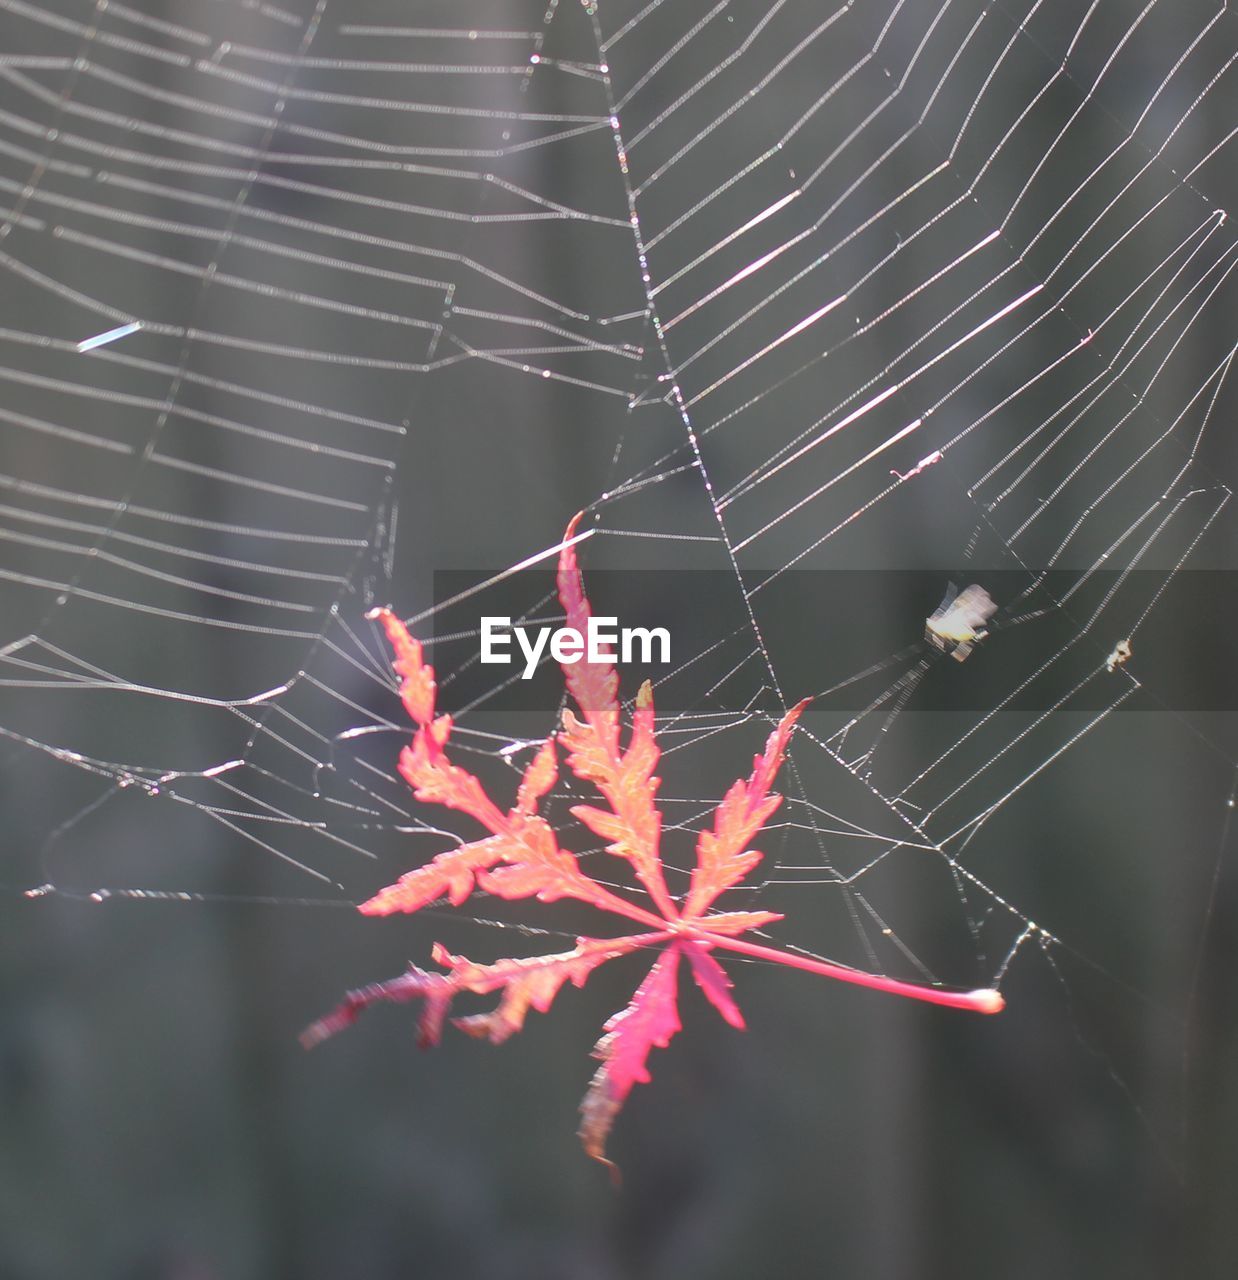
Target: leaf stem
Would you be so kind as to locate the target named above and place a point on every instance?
(986, 1000)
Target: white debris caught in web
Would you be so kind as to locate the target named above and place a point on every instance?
(957, 625)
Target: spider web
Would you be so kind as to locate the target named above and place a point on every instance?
(778, 294)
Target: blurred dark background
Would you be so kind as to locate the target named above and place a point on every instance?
(160, 1120)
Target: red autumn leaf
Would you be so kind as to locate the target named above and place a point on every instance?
(435, 780)
(625, 778)
(649, 1022)
(522, 858)
(529, 983)
(538, 778)
(452, 874)
(417, 688)
(712, 979)
(722, 855)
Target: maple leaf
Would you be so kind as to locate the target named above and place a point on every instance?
(520, 857)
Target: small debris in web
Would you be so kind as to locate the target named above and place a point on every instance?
(1121, 652)
(957, 625)
(922, 465)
